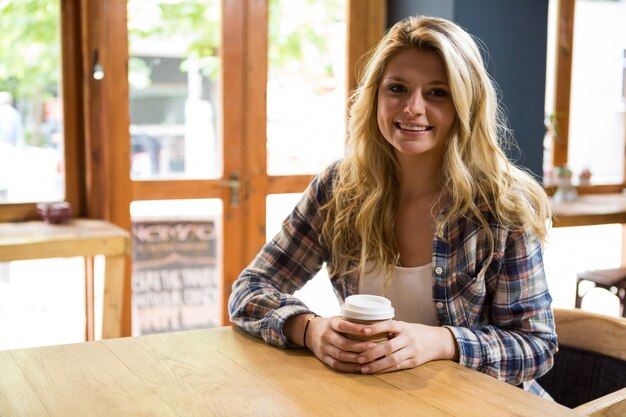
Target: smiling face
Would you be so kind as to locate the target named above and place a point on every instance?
(415, 109)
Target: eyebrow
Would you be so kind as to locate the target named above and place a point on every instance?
(400, 79)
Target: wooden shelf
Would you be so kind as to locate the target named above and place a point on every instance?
(79, 237)
(588, 210)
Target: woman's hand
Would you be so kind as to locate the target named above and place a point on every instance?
(409, 345)
(325, 339)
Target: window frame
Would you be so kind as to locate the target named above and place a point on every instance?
(562, 97)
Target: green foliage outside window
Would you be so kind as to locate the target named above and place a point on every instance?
(30, 51)
(29, 47)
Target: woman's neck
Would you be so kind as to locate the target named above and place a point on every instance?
(419, 178)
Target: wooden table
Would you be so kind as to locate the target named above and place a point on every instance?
(590, 209)
(79, 237)
(225, 372)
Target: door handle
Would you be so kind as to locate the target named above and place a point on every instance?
(234, 184)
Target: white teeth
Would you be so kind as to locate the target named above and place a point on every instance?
(413, 128)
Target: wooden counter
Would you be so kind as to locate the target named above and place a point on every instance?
(590, 209)
(225, 372)
(79, 237)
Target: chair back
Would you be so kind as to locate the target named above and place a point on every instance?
(591, 361)
(611, 405)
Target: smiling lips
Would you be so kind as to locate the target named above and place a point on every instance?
(413, 128)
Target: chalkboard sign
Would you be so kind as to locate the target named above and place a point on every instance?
(175, 279)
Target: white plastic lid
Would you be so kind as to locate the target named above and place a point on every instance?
(367, 307)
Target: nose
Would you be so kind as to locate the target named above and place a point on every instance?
(415, 104)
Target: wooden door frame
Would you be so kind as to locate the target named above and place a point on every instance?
(106, 121)
(234, 49)
(563, 79)
(562, 96)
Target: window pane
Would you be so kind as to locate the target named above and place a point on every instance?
(177, 278)
(318, 293)
(173, 74)
(306, 85)
(31, 124)
(597, 106)
(570, 250)
(42, 302)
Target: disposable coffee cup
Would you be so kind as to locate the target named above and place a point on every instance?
(367, 309)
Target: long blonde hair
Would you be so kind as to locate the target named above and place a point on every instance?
(360, 220)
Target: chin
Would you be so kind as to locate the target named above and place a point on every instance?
(412, 149)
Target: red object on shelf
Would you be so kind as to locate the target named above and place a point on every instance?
(55, 213)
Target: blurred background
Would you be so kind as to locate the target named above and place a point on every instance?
(206, 92)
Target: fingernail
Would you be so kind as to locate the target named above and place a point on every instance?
(367, 330)
(361, 359)
(365, 370)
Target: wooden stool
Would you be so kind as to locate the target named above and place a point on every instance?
(613, 280)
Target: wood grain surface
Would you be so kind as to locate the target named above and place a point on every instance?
(225, 372)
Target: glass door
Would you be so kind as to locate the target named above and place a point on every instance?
(306, 109)
(234, 106)
(176, 134)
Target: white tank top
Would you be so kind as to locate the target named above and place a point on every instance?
(410, 292)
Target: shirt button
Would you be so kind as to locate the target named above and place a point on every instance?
(438, 270)
(439, 305)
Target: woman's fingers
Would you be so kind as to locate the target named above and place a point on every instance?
(383, 350)
(343, 326)
(393, 360)
(409, 345)
(336, 336)
(341, 366)
(380, 367)
(333, 348)
(340, 359)
(387, 326)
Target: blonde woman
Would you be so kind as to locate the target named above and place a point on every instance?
(426, 209)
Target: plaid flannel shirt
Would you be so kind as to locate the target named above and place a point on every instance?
(499, 313)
